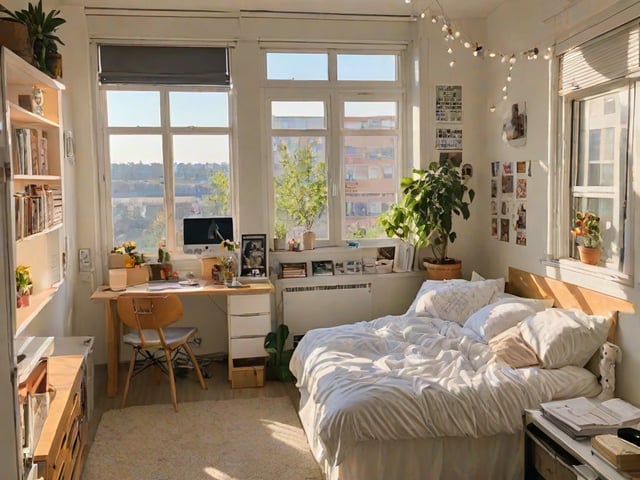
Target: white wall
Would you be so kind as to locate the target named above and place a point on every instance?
(516, 26)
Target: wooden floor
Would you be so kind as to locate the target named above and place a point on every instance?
(149, 388)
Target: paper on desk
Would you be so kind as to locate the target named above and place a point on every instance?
(581, 412)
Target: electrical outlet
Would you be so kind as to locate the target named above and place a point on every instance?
(84, 259)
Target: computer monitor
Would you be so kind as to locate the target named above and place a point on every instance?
(202, 234)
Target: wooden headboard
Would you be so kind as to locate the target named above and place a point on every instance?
(567, 295)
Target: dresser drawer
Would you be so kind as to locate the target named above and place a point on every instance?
(248, 304)
(249, 325)
(247, 347)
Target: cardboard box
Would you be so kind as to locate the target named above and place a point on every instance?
(246, 377)
(117, 260)
(137, 275)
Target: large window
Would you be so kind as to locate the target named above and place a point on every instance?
(598, 103)
(169, 157)
(337, 117)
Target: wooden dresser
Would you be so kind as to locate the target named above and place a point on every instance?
(60, 451)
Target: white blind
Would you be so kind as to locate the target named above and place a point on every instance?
(611, 56)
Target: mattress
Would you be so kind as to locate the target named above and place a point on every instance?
(403, 379)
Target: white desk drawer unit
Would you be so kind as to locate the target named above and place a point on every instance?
(249, 318)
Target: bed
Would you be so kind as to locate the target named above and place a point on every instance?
(439, 391)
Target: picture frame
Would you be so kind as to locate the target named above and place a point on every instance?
(253, 255)
(322, 267)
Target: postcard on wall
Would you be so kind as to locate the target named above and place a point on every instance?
(507, 184)
(448, 138)
(448, 103)
(453, 158)
(504, 229)
(494, 227)
(494, 188)
(521, 167)
(521, 188)
(495, 169)
(521, 216)
(514, 126)
(521, 238)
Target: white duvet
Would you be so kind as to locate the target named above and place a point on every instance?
(402, 377)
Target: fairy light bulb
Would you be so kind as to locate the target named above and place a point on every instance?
(422, 15)
(467, 45)
(504, 89)
(492, 54)
(452, 63)
(512, 59)
(509, 78)
(450, 50)
(457, 34)
(434, 19)
(504, 97)
(492, 108)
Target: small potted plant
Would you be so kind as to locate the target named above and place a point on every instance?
(280, 240)
(424, 216)
(301, 189)
(23, 285)
(587, 226)
(42, 27)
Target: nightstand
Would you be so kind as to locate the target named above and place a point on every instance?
(551, 454)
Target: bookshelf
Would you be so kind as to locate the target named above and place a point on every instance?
(34, 152)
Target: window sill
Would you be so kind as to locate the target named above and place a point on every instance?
(592, 271)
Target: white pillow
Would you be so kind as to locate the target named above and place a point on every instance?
(545, 302)
(499, 283)
(495, 318)
(427, 286)
(564, 337)
(456, 301)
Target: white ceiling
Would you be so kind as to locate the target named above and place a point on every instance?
(452, 8)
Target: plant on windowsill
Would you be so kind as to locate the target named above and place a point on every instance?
(301, 189)
(24, 285)
(587, 226)
(41, 27)
(424, 216)
(280, 240)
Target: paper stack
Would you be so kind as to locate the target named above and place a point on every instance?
(583, 417)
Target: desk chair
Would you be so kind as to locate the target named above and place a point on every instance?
(147, 317)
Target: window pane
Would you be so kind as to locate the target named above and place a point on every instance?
(137, 190)
(298, 115)
(297, 66)
(300, 177)
(367, 192)
(199, 109)
(201, 177)
(370, 115)
(611, 238)
(367, 67)
(133, 109)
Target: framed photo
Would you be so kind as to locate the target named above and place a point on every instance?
(253, 253)
(322, 267)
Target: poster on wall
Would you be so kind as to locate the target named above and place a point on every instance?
(448, 103)
(448, 138)
(514, 125)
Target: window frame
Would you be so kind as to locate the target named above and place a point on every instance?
(567, 150)
(335, 92)
(166, 131)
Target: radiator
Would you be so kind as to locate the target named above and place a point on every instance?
(314, 306)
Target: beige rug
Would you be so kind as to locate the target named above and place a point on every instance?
(240, 439)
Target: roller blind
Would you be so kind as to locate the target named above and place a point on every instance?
(163, 65)
(611, 56)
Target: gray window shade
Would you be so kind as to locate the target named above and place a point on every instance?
(163, 65)
(611, 56)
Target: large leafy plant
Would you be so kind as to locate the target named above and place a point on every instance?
(301, 188)
(41, 27)
(424, 216)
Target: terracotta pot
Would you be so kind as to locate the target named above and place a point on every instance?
(309, 240)
(24, 300)
(590, 256)
(443, 271)
(54, 64)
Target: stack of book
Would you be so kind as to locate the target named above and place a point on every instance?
(584, 417)
(294, 270)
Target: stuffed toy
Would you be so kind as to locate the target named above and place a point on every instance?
(609, 353)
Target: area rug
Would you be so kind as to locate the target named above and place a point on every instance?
(240, 439)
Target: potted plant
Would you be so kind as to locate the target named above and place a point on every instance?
(301, 189)
(280, 240)
(23, 285)
(587, 226)
(41, 27)
(424, 216)
(279, 358)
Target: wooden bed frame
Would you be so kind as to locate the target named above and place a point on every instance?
(567, 295)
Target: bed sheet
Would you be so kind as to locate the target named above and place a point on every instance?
(407, 377)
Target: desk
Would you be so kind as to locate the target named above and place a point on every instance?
(112, 322)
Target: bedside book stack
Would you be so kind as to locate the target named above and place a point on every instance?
(583, 417)
(621, 454)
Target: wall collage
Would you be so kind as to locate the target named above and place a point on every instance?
(509, 201)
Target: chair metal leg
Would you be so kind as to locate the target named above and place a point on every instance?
(172, 380)
(132, 362)
(195, 365)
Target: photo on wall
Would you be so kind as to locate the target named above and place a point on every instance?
(253, 250)
(514, 126)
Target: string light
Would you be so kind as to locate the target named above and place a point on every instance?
(451, 33)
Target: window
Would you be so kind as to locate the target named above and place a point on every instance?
(599, 94)
(169, 157)
(346, 127)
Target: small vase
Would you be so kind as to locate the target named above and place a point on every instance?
(309, 240)
(230, 264)
(588, 255)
